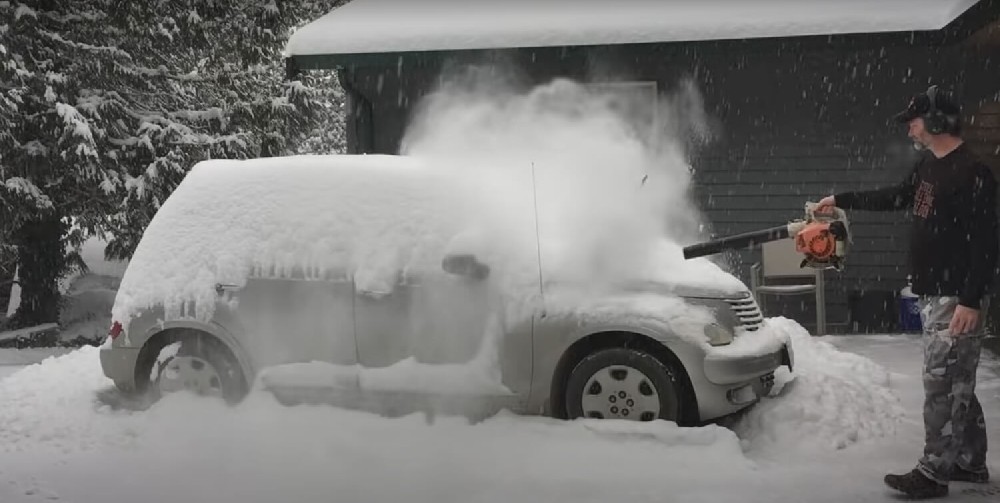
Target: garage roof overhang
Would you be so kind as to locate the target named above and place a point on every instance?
(380, 31)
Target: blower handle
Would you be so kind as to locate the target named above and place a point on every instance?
(745, 240)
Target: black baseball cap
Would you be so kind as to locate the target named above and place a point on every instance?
(920, 105)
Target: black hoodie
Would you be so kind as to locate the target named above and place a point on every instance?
(953, 245)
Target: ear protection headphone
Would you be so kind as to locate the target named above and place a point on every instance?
(936, 121)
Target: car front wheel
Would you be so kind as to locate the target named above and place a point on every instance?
(622, 383)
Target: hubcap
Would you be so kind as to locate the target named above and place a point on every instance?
(190, 373)
(620, 392)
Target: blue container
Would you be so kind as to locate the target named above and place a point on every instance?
(909, 311)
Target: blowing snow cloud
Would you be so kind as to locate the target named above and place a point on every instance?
(607, 169)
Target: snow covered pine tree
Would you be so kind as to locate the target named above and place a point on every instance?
(105, 105)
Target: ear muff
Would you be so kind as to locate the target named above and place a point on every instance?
(935, 120)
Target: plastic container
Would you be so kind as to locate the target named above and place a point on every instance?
(909, 309)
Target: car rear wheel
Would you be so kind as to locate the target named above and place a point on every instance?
(621, 383)
(197, 364)
(189, 373)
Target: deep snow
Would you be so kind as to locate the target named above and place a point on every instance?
(829, 436)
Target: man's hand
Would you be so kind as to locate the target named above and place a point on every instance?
(963, 321)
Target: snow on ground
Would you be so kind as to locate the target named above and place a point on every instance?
(13, 360)
(829, 435)
(841, 399)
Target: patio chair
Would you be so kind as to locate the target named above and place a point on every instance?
(780, 261)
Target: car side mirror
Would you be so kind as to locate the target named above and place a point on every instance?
(465, 265)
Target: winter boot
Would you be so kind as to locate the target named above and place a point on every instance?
(979, 477)
(916, 485)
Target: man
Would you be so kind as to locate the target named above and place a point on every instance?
(953, 251)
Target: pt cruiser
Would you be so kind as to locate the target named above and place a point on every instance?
(204, 307)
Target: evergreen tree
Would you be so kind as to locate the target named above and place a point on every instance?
(105, 105)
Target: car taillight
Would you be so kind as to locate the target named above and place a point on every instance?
(116, 330)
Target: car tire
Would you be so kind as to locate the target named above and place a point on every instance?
(623, 383)
(201, 364)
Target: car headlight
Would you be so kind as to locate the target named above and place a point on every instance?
(718, 335)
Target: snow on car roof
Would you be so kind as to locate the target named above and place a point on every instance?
(365, 217)
(277, 217)
(381, 26)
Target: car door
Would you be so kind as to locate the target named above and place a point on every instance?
(431, 317)
(292, 320)
(435, 319)
(381, 318)
(449, 318)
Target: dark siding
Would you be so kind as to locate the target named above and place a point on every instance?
(799, 120)
(804, 124)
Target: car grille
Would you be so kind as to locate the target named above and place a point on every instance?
(747, 312)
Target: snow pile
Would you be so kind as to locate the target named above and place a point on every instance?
(27, 356)
(313, 452)
(402, 25)
(837, 399)
(51, 410)
(52, 405)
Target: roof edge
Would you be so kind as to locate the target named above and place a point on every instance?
(964, 24)
(370, 59)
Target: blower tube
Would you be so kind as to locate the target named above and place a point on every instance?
(745, 240)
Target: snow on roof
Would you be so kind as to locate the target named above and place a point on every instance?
(381, 26)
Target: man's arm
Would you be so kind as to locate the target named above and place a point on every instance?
(982, 234)
(896, 197)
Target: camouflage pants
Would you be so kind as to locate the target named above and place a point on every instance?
(954, 427)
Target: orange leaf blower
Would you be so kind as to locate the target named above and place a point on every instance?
(821, 237)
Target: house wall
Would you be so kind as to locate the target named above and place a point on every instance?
(798, 119)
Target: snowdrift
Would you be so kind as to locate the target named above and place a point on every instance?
(838, 399)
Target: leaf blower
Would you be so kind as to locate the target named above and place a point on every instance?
(821, 237)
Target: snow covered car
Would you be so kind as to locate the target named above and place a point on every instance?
(356, 279)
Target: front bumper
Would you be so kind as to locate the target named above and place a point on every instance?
(725, 369)
(119, 364)
(731, 383)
